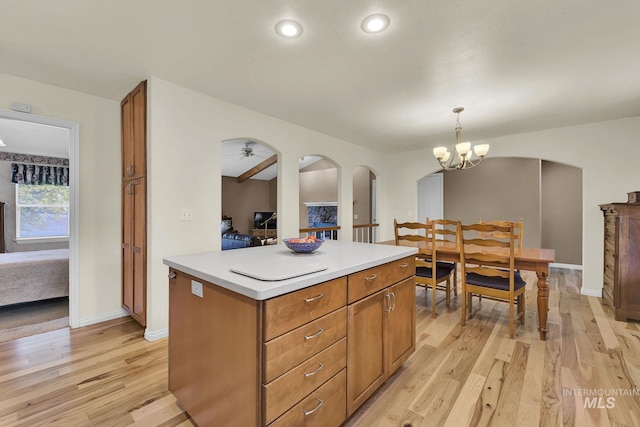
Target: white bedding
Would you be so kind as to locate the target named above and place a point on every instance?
(33, 276)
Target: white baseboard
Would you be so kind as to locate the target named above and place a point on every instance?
(567, 266)
(591, 292)
(102, 318)
(156, 335)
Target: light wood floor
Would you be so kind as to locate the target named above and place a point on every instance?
(108, 375)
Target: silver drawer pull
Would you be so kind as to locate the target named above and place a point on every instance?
(404, 265)
(375, 276)
(308, 374)
(172, 275)
(314, 298)
(317, 334)
(320, 403)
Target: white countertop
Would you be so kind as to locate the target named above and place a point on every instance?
(335, 258)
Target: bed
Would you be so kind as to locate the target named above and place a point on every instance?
(33, 276)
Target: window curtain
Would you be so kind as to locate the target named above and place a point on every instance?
(39, 175)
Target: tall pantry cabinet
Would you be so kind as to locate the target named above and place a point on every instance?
(134, 207)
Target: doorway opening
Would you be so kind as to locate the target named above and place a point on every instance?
(249, 194)
(40, 155)
(318, 195)
(365, 222)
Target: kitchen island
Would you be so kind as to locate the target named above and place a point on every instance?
(264, 336)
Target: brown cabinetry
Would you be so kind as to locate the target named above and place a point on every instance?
(292, 359)
(401, 324)
(134, 249)
(134, 195)
(304, 346)
(381, 327)
(133, 110)
(621, 281)
(213, 349)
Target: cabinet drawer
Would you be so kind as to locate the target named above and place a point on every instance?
(292, 348)
(282, 393)
(324, 407)
(370, 281)
(287, 312)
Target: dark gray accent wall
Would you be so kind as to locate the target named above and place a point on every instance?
(547, 195)
(497, 189)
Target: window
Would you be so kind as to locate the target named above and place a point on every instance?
(42, 211)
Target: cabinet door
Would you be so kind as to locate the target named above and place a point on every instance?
(133, 110)
(401, 324)
(134, 249)
(127, 247)
(139, 251)
(182, 333)
(629, 268)
(366, 358)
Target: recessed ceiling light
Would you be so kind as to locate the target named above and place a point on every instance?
(375, 23)
(289, 29)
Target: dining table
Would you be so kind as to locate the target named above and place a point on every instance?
(527, 259)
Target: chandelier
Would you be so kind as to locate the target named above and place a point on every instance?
(463, 149)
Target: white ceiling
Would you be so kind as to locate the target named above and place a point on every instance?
(33, 138)
(235, 163)
(515, 66)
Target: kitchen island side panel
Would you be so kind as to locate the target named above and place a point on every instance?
(213, 350)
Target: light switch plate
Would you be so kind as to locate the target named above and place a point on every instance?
(196, 289)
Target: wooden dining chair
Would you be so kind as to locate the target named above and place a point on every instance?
(487, 267)
(446, 231)
(518, 230)
(429, 272)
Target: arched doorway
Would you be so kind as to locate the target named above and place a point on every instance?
(546, 194)
(318, 186)
(249, 193)
(364, 205)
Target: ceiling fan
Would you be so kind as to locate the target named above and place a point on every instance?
(247, 150)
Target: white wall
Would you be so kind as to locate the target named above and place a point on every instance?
(186, 129)
(605, 151)
(99, 189)
(185, 132)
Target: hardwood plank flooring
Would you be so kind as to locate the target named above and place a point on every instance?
(586, 374)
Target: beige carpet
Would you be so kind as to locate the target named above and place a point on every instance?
(21, 320)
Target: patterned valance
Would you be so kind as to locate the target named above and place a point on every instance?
(39, 175)
(33, 159)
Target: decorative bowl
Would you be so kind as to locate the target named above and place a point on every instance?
(302, 247)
